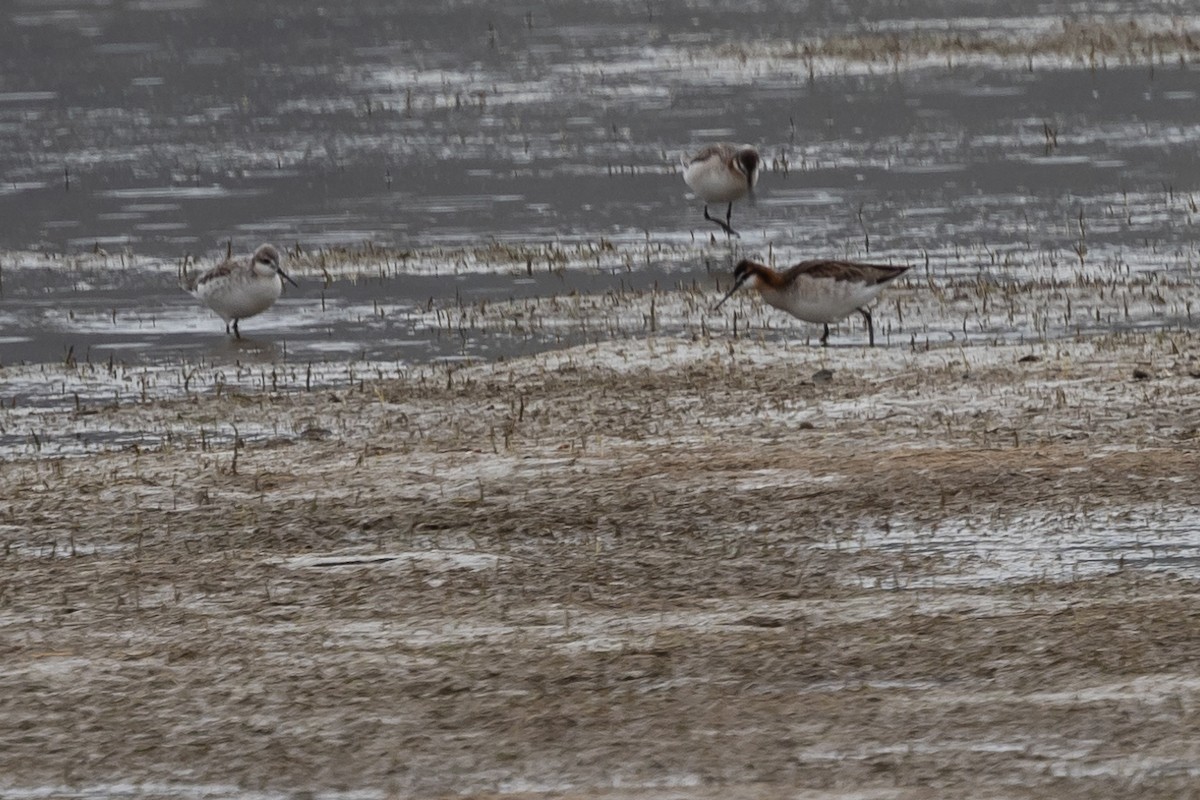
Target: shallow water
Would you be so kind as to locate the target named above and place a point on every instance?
(1033, 546)
(156, 130)
(141, 316)
(170, 128)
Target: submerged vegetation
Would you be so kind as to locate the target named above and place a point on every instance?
(1092, 43)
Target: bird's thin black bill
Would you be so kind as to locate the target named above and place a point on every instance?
(729, 294)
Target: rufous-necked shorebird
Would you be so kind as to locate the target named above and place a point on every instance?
(821, 291)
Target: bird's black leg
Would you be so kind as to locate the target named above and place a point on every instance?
(825, 336)
(870, 325)
(236, 332)
(226, 328)
(724, 224)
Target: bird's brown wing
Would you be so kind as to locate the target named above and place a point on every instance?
(845, 271)
(722, 151)
(219, 271)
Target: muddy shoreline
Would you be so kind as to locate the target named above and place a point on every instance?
(657, 567)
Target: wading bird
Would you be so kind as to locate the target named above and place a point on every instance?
(818, 291)
(240, 289)
(722, 173)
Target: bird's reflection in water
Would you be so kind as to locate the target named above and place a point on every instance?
(249, 349)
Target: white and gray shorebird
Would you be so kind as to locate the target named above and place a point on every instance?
(240, 289)
(819, 291)
(722, 173)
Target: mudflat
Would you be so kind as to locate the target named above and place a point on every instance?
(667, 566)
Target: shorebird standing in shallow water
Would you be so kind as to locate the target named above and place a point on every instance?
(240, 289)
(722, 173)
(818, 291)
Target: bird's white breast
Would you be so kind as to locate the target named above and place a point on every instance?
(820, 299)
(714, 182)
(240, 295)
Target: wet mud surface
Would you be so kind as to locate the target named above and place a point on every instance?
(656, 568)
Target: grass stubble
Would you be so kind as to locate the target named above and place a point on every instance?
(657, 564)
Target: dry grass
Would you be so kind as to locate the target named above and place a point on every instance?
(1087, 42)
(590, 570)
